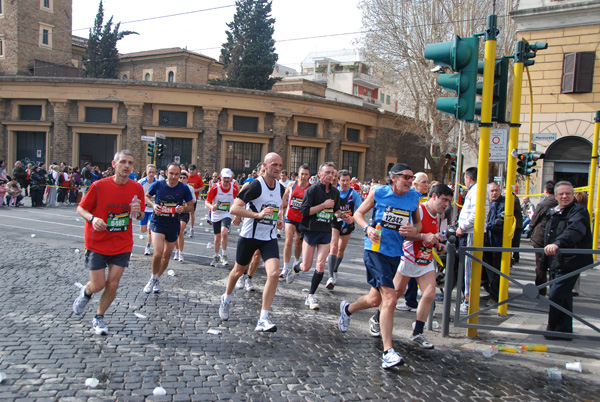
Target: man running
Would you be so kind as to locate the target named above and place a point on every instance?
(320, 206)
(219, 201)
(194, 180)
(292, 201)
(395, 204)
(340, 235)
(146, 182)
(108, 208)
(258, 203)
(171, 198)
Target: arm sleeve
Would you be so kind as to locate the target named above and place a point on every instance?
(574, 232)
(212, 192)
(251, 192)
(307, 202)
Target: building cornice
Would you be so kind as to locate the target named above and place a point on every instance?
(557, 16)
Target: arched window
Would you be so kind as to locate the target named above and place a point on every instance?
(171, 76)
(147, 77)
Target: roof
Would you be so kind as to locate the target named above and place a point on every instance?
(162, 52)
(338, 56)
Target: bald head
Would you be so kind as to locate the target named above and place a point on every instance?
(272, 165)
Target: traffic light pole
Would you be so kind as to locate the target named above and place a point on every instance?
(458, 173)
(596, 215)
(511, 174)
(482, 166)
(593, 170)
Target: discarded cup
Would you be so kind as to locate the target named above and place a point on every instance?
(491, 351)
(171, 272)
(77, 220)
(141, 237)
(159, 391)
(78, 284)
(208, 245)
(139, 315)
(575, 366)
(32, 235)
(213, 332)
(91, 382)
(76, 251)
(435, 325)
(554, 373)
(2, 377)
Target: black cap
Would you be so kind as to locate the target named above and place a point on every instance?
(192, 166)
(399, 167)
(86, 163)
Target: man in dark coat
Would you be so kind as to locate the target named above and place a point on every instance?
(567, 227)
(537, 227)
(493, 238)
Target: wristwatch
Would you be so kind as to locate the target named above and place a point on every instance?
(365, 228)
(91, 219)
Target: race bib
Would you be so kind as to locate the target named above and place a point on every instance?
(345, 211)
(117, 222)
(168, 210)
(270, 220)
(325, 215)
(223, 206)
(394, 218)
(296, 203)
(424, 255)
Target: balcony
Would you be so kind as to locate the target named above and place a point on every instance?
(369, 102)
(367, 80)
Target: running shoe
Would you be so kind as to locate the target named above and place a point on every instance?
(391, 359)
(156, 287)
(330, 284)
(344, 321)
(335, 278)
(283, 273)
(291, 275)
(191, 232)
(216, 259)
(149, 285)
(240, 282)
(420, 341)
(180, 256)
(297, 266)
(374, 327)
(175, 254)
(249, 284)
(147, 250)
(80, 302)
(405, 307)
(98, 325)
(265, 325)
(311, 302)
(224, 309)
(224, 259)
(464, 308)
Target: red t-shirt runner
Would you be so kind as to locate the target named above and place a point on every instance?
(111, 202)
(196, 182)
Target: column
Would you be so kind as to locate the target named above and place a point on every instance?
(61, 143)
(210, 156)
(131, 139)
(335, 133)
(3, 133)
(280, 132)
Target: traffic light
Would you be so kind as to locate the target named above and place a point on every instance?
(151, 149)
(160, 150)
(527, 51)
(526, 162)
(535, 156)
(453, 158)
(499, 91)
(461, 56)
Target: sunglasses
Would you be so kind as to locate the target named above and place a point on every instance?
(407, 176)
(183, 177)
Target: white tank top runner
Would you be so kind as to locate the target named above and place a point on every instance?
(263, 229)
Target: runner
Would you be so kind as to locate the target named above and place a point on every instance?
(219, 201)
(146, 182)
(395, 204)
(320, 205)
(259, 205)
(107, 208)
(184, 218)
(292, 201)
(171, 198)
(340, 235)
(195, 180)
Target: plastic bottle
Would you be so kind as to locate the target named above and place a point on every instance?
(491, 351)
(507, 349)
(375, 246)
(133, 201)
(535, 348)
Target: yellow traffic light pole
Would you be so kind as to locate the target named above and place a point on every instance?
(482, 166)
(596, 216)
(511, 179)
(593, 169)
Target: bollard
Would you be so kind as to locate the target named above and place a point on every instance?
(450, 256)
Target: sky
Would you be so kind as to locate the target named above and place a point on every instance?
(301, 27)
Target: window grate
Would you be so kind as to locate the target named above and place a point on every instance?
(98, 114)
(242, 157)
(30, 112)
(353, 134)
(302, 155)
(169, 118)
(245, 123)
(350, 160)
(307, 129)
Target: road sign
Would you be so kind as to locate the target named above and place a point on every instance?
(176, 159)
(544, 136)
(498, 145)
(161, 136)
(147, 138)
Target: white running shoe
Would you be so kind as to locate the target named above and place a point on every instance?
(420, 341)
(224, 259)
(405, 307)
(265, 325)
(249, 285)
(81, 301)
(311, 302)
(156, 287)
(149, 286)
(291, 275)
(147, 250)
(180, 256)
(216, 259)
(330, 284)
(98, 325)
(391, 359)
(175, 254)
(191, 232)
(240, 282)
(224, 309)
(335, 278)
(282, 273)
(344, 321)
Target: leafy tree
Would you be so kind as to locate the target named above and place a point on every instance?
(101, 56)
(249, 53)
(395, 44)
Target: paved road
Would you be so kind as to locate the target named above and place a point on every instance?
(161, 340)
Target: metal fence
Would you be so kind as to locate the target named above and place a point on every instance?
(528, 291)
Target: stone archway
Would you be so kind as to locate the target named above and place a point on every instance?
(568, 158)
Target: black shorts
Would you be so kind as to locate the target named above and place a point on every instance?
(296, 224)
(246, 248)
(226, 222)
(196, 203)
(316, 238)
(96, 261)
(184, 217)
(381, 269)
(171, 232)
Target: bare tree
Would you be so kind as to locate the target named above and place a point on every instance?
(399, 30)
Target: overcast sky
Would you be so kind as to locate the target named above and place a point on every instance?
(301, 27)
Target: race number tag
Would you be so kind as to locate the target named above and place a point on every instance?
(424, 255)
(394, 218)
(270, 220)
(296, 203)
(223, 206)
(168, 210)
(325, 215)
(117, 222)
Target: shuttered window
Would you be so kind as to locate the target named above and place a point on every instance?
(578, 72)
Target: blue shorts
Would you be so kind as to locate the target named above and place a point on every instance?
(147, 216)
(246, 248)
(381, 269)
(226, 222)
(316, 238)
(171, 232)
(96, 261)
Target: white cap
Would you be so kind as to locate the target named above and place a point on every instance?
(226, 172)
